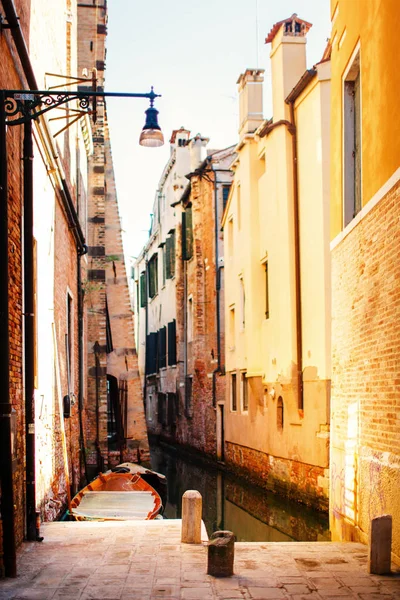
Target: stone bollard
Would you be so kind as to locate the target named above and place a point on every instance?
(221, 552)
(380, 545)
(191, 517)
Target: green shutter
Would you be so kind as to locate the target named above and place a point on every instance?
(168, 259)
(189, 233)
(172, 254)
(142, 289)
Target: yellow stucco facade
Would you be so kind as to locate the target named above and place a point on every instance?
(280, 439)
(365, 178)
(373, 28)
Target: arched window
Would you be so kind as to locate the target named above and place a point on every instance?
(279, 414)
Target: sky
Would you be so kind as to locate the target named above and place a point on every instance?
(192, 52)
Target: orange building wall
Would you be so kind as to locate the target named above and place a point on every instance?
(376, 24)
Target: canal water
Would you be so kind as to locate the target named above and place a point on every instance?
(252, 513)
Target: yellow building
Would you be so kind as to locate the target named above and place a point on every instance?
(277, 264)
(365, 246)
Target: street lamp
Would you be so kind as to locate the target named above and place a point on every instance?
(31, 104)
(151, 135)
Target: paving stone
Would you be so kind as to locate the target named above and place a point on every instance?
(336, 592)
(265, 593)
(229, 594)
(102, 593)
(297, 589)
(34, 594)
(196, 593)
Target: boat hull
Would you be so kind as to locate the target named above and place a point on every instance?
(116, 497)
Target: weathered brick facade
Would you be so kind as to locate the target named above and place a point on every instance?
(11, 77)
(365, 454)
(57, 242)
(185, 380)
(112, 359)
(200, 285)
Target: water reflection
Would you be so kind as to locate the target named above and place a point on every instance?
(253, 514)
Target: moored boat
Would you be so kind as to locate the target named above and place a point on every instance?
(158, 481)
(116, 497)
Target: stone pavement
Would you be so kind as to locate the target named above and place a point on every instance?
(146, 561)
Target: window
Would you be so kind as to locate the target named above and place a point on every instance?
(172, 343)
(153, 275)
(266, 291)
(352, 141)
(279, 414)
(190, 320)
(170, 256)
(233, 392)
(225, 194)
(187, 233)
(171, 400)
(143, 289)
(245, 397)
(151, 353)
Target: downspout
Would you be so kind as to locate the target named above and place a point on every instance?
(220, 368)
(96, 349)
(217, 288)
(29, 334)
(146, 328)
(296, 219)
(6, 474)
(80, 333)
(80, 365)
(291, 127)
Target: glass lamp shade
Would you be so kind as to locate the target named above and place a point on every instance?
(151, 138)
(151, 135)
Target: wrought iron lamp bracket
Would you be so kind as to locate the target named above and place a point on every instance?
(21, 106)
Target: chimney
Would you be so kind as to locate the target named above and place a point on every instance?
(250, 85)
(198, 151)
(288, 60)
(179, 138)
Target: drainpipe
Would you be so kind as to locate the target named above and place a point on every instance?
(6, 474)
(220, 368)
(291, 127)
(100, 462)
(29, 334)
(146, 329)
(80, 365)
(296, 218)
(80, 330)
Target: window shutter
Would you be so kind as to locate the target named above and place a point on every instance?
(189, 233)
(168, 258)
(142, 289)
(162, 348)
(172, 343)
(172, 254)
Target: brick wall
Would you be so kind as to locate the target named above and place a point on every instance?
(106, 282)
(9, 78)
(365, 454)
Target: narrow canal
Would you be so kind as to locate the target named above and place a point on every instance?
(253, 514)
